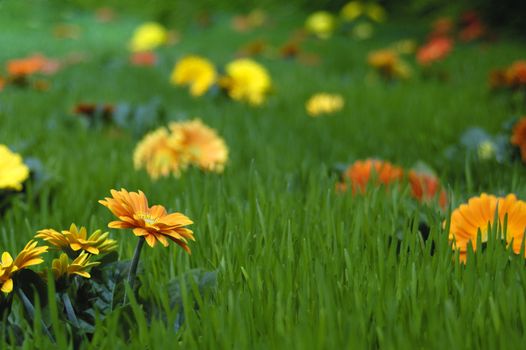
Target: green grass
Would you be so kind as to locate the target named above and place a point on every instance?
(299, 265)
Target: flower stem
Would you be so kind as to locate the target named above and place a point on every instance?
(133, 266)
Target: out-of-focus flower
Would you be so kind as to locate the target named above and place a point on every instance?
(105, 14)
(404, 47)
(479, 214)
(246, 80)
(22, 67)
(324, 103)
(13, 171)
(518, 137)
(513, 76)
(80, 266)
(486, 150)
(352, 10)
(472, 27)
(389, 64)
(152, 223)
(442, 27)
(361, 172)
(256, 18)
(201, 145)
(253, 48)
(425, 187)
(164, 152)
(148, 37)
(76, 239)
(143, 58)
(29, 256)
(363, 31)
(197, 72)
(321, 24)
(375, 12)
(160, 153)
(434, 50)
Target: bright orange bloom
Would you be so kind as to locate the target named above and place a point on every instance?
(434, 50)
(152, 223)
(518, 137)
(361, 171)
(426, 187)
(479, 213)
(31, 65)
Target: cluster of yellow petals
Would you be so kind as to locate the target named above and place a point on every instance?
(76, 239)
(389, 64)
(13, 171)
(79, 266)
(153, 223)
(321, 24)
(170, 150)
(148, 36)
(324, 103)
(354, 9)
(478, 216)
(29, 256)
(246, 80)
(197, 72)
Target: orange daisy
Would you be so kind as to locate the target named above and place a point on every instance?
(434, 50)
(518, 136)
(152, 223)
(202, 145)
(479, 214)
(516, 73)
(425, 187)
(361, 171)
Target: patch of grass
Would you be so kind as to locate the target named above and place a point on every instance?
(299, 265)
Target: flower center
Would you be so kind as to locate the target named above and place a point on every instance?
(148, 219)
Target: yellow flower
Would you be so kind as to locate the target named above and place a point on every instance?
(29, 256)
(388, 63)
(246, 80)
(321, 24)
(13, 171)
(375, 12)
(404, 47)
(160, 153)
(486, 150)
(75, 239)
(80, 266)
(201, 145)
(352, 10)
(324, 103)
(476, 216)
(195, 71)
(148, 36)
(152, 223)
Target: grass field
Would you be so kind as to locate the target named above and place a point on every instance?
(298, 265)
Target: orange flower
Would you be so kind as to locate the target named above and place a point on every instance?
(518, 137)
(472, 27)
(152, 223)
(479, 213)
(516, 73)
(389, 64)
(31, 65)
(360, 172)
(434, 50)
(143, 58)
(425, 187)
(201, 144)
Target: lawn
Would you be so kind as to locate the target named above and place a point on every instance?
(297, 264)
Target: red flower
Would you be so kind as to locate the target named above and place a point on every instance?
(434, 50)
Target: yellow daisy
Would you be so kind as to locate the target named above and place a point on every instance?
(197, 72)
(80, 266)
(148, 36)
(13, 171)
(246, 80)
(324, 103)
